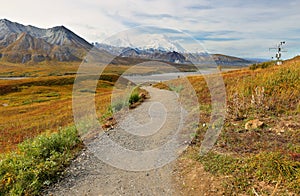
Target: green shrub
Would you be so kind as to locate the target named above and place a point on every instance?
(261, 65)
(134, 97)
(37, 162)
(177, 89)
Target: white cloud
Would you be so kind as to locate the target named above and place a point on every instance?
(242, 28)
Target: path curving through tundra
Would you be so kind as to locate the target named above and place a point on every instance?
(139, 129)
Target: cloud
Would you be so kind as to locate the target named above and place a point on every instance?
(199, 7)
(152, 16)
(241, 28)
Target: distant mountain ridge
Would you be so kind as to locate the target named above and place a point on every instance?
(160, 47)
(166, 55)
(145, 41)
(21, 44)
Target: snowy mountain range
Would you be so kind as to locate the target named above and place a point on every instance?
(25, 44)
(173, 56)
(148, 41)
(162, 48)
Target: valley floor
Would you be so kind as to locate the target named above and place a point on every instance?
(257, 152)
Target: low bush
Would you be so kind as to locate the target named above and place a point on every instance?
(37, 162)
(262, 65)
(134, 97)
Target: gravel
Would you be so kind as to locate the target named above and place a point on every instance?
(116, 162)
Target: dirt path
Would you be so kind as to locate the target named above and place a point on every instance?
(149, 127)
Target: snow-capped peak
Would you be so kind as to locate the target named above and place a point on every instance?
(146, 41)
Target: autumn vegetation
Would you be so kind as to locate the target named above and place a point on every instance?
(38, 138)
(263, 160)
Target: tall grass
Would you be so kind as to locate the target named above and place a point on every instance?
(272, 168)
(37, 162)
(30, 106)
(261, 158)
(273, 91)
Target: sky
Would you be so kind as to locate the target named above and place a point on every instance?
(243, 28)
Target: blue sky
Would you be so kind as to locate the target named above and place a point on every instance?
(241, 28)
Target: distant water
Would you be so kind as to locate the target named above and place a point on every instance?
(139, 79)
(12, 78)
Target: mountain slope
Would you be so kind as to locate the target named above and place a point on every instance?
(172, 56)
(21, 44)
(221, 59)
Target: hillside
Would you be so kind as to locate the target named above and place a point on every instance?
(258, 149)
(246, 159)
(22, 44)
(221, 59)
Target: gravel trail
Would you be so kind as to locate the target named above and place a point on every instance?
(145, 128)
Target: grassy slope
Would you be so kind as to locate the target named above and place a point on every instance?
(37, 136)
(247, 157)
(36, 105)
(263, 160)
(53, 68)
(43, 102)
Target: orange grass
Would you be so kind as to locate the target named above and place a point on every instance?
(43, 101)
(38, 107)
(263, 157)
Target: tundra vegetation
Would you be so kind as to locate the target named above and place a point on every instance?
(258, 150)
(38, 138)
